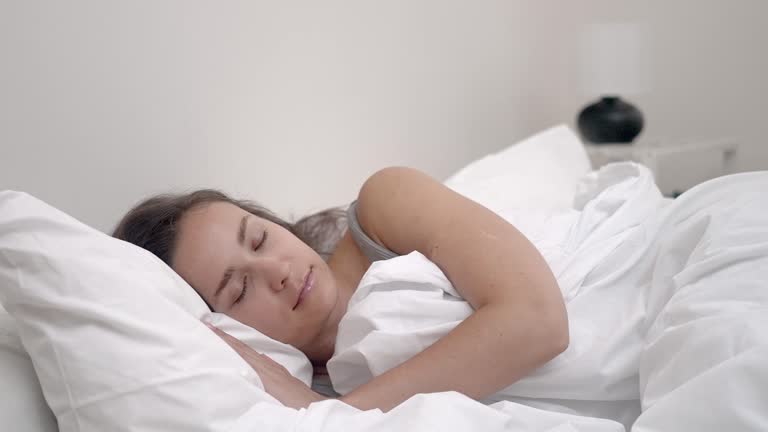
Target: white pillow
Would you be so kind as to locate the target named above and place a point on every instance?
(114, 334)
(540, 172)
(22, 407)
(287, 355)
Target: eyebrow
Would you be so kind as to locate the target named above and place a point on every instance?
(230, 271)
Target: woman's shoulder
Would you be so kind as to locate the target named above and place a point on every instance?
(406, 210)
(389, 179)
(390, 192)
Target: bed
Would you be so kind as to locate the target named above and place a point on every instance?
(113, 340)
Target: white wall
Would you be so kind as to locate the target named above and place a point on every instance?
(294, 103)
(708, 67)
(290, 103)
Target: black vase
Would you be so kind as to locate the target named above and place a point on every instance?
(610, 120)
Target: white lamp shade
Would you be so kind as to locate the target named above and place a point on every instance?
(615, 60)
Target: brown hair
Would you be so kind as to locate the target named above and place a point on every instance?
(153, 223)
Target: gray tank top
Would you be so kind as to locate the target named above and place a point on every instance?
(371, 249)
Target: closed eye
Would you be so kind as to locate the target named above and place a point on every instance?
(261, 241)
(244, 290)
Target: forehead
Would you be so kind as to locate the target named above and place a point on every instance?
(213, 214)
(208, 224)
(207, 236)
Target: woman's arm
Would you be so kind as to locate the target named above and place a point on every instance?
(520, 321)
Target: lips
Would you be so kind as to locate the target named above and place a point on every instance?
(309, 283)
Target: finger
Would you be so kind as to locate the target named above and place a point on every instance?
(275, 364)
(222, 334)
(229, 339)
(239, 346)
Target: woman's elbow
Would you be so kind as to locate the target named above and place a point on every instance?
(562, 340)
(548, 330)
(551, 334)
(559, 333)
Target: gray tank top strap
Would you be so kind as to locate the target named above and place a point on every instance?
(371, 249)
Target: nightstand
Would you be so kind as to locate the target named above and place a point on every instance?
(676, 165)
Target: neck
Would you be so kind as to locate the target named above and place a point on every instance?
(322, 347)
(348, 266)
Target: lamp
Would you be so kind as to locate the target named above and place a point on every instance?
(613, 66)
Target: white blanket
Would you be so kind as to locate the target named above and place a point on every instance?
(615, 266)
(447, 411)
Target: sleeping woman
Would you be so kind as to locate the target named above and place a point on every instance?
(292, 284)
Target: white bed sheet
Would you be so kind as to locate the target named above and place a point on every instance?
(700, 364)
(447, 411)
(621, 258)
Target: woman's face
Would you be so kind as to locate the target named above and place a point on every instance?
(257, 272)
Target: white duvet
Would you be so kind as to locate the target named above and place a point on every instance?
(667, 304)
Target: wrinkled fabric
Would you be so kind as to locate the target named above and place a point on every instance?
(448, 411)
(614, 256)
(117, 343)
(704, 365)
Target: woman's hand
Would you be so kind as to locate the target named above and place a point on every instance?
(283, 386)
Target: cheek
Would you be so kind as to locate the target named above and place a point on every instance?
(264, 317)
(330, 289)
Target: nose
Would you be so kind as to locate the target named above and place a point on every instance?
(274, 271)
